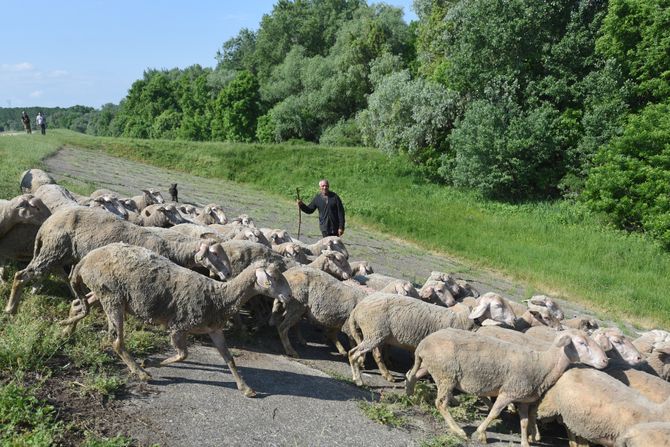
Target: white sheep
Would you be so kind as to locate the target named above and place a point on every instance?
(131, 279)
(597, 407)
(361, 267)
(384, 318)
(148, 197)
(211, 214)
(23, 209)
(646, 435)
(32, 179)
(159, 215)
(485, 366)
(67, 235)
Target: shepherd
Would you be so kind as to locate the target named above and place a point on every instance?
(331, 210)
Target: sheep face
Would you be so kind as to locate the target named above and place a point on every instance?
(213, 258)
(335, 243)
(547, 303)
(29, 209)
(493, 306)
(111, 204)
(579, 347)
(612, 339)
(364, 268)
(152, 196)
(336, 264)
(270, 282)
(438, 293)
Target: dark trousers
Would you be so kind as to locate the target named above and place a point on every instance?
(44, 128)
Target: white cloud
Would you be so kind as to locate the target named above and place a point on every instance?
(22, 66)
(58, 73)
(36, 94)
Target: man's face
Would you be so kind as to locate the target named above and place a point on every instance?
(323, 186)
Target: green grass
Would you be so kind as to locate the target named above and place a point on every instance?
(557, 248)
(24, 420)
(446, 440)
(383, 413)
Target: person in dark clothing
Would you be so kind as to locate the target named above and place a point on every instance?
(26, 122)
(331, 210)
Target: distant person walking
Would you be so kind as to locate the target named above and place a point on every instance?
(26, 122)
(331, 210)
(42, 122)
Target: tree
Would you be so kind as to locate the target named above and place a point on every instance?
(236, 110)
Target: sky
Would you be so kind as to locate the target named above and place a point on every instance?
(89, 52)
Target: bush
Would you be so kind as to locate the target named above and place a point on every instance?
(631, 182)
(344, 133)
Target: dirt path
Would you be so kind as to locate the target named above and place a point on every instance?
(301, 402)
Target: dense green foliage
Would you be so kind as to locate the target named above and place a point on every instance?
(559, 247)
(517, 100)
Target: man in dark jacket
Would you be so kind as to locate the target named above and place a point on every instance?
(331, 210)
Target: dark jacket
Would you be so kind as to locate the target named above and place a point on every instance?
(331, 212)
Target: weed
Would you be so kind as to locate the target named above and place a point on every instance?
(467, 408)
(24, 420)
(91, 440)
(446, 440)
(103, 384)
(383, 413)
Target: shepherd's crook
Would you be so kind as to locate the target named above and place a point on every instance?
(297, 195)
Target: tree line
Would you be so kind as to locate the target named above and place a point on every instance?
(518, 100)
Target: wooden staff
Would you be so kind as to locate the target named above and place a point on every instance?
(297, 195)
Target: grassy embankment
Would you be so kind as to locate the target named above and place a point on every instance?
(34, 356)
(557, 248)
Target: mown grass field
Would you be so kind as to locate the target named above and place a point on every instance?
(556, 247)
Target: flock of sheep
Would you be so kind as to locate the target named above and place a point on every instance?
(192, 270)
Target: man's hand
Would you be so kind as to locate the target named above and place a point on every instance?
(299, 202)
(340, 231)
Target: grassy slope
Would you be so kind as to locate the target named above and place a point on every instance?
(551, 247)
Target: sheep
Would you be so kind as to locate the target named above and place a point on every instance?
(583, 323)
(404, 322)
(198, 231)
(111, 204)
(188, 211)
(104, 192)
(67, 235)
(619, 348)
(485, 366)
(437, 292)
(326, 301)
(251, 234)
(159, 215)
(124, 278)
(149, 197)
(55, 196)
(457, 287)
(650, 386)
(292, 251)
(32, 179)
(646, 341)
(211, 214)
(276, 236)
(597, 407)
(17, 246)
(361, 267)
(646, 435)
(376, 281)
(326, 243)
(23, 209)
(658, 360)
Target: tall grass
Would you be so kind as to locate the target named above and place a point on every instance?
(559, 248)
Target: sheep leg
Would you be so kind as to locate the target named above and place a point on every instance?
(77, 312)
(178, 339)
(412, 376)
(534, 432)
(444, 395)
(115, 318)
(293, 315)
(574, 440)
(332, 336)
(277, 310)
(377, 354)
(3, 274)
(220, 342)
(20, 278)
(355, 354)
(522, 408)
(500, 404)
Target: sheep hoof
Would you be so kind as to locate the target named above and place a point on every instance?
(479, 437)
(144, 376)
(389, 378)
(358, 382)
(248, 392)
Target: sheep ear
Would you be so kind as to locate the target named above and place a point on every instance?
(603, 341)
(478, 311)
(201, 251)
(562, 340)
(262, 277)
